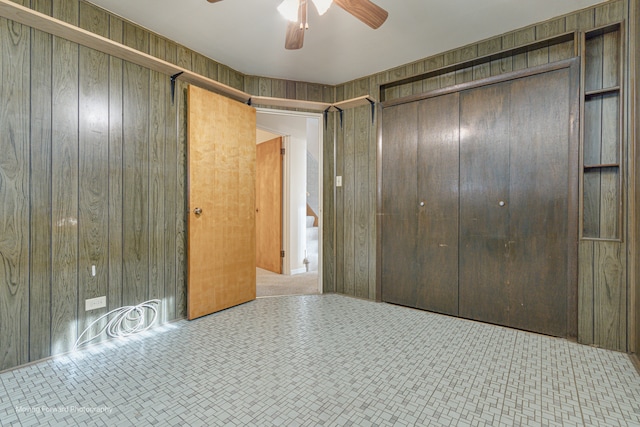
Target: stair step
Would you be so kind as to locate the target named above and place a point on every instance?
(310, 221)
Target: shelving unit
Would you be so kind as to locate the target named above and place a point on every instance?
(601, 161)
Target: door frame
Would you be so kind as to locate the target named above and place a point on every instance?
(286, 182)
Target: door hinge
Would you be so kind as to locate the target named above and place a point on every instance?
(282, 151)
(281, 254)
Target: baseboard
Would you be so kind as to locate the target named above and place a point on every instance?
(299, 271)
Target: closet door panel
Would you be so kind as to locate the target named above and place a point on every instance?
(399, 204)
(485, 293)
(538, 202)
(438, 190)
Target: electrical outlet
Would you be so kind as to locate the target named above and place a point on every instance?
(95, 303)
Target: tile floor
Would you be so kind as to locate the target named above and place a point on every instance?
(327, 360)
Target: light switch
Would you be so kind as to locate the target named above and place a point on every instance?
(338, 181)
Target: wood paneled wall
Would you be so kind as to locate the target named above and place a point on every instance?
(92, 173)
(603, 265)
(93, 170)
(634, 168)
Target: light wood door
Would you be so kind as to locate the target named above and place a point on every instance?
(221, 239)
(269, 205)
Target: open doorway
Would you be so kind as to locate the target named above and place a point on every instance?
(301, 263)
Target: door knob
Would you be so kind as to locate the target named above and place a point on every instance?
(197, 211)
(501, 203)
(421, 203)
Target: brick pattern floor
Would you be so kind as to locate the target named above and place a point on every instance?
(326, 360)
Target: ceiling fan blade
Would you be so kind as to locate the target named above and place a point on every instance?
(295, 36)
(369, 13)
(213, 1)
(295, 30)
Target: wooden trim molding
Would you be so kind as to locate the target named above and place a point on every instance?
(549, 41)
(565, 63)
(289, 103)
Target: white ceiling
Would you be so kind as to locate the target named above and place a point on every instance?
(248, 35)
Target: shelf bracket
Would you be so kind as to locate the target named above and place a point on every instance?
(173, 85)
(325, 115)
(373, 109)
(341, 111)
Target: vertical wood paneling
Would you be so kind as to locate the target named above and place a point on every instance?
(602, 137)
(609, 296)
(290, 89)
(417, 69)
(199, 63)
(264, 86)
(115, 163)
(592, 140)
(223, 72)
(610, 179)
(252, 85)
(349, 201)
(520, 38)
(580, 21)
(634, 150)
(466, 54)
(372, 208)
(50, 189)
(14, 194)
(609, 12)
(136, 173)
(328, 206)
(339, 202)
(278, 88)
(172, 199)
(301, 90)
(585, 292)
(93, 153)
(64, 182)
(184, 60)
(40, 190)
(362, 120)
(236, 80)
(314, 92)
(158, 91)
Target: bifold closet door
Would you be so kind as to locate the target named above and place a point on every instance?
(514, 204)
(399, 204)
(420, 204)
(485, 291)
(540, 235)
(438, 179)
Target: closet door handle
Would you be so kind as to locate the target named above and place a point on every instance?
(421, 204)
(501, 203)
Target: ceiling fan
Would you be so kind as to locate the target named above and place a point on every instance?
(295, 11)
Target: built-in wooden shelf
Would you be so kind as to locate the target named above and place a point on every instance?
(601, 134)
(604, 165)
(39, 21)
(604, 91)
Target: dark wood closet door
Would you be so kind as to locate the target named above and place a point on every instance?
(437, 175)
(485, 291)
(399, 202)
(514, 207)
(538, 201)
